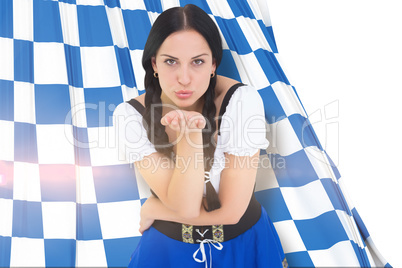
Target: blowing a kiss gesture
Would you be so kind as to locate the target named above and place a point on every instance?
(184, 121)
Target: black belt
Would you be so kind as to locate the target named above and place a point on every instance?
(219, 233)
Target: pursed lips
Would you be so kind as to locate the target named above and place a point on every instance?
(183, 94)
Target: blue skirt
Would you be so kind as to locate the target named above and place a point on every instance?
(257, 247)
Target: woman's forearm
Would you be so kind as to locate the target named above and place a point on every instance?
(156, 210)
(187, 183)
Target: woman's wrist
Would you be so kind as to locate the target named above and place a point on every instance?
(192, 138)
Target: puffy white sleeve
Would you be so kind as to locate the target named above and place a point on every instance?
(131, 136)
(243, 127)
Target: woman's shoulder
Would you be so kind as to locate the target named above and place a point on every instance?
(245, 93)
(223, 84)
(141, 99)
(126, 109)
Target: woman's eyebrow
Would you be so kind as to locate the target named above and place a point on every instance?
(175, 58)
(165, 55)
(204, 54)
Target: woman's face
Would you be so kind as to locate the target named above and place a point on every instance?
(184, 64)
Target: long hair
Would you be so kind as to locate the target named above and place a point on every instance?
(170, 21)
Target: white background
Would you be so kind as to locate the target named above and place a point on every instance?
(345, 60)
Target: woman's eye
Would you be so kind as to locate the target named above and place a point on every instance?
(170, 61)
(198, 62)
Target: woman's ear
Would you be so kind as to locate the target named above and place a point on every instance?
(153, 61)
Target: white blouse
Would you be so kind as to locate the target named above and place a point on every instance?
(242, 131)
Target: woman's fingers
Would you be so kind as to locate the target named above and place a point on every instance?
(165, 120)
(179, 120)
(201, 122)
(196, 122)
(173, 121)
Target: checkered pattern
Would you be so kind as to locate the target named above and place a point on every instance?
(65, 197)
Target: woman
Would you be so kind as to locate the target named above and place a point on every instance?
(193, 138)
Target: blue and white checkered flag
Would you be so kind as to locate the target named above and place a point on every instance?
(65, 197)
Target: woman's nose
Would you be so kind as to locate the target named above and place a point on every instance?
(184, 76)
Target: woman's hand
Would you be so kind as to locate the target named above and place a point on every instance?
(183, 121)
(145, 224)
(146, 219)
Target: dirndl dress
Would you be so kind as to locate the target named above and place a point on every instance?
(257, 247)
(251, 243)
